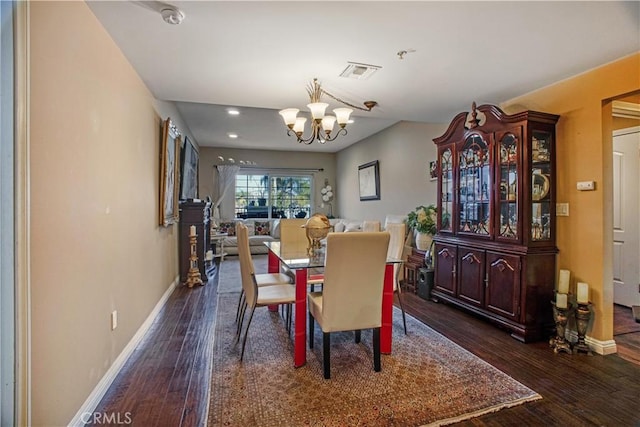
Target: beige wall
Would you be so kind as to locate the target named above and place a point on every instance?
(584, 153)
(95, 241)
(208, 185)
(404, 151)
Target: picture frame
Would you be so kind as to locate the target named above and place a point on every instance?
(169, 173)
(433, 170)
(189, 171)
(369, 181)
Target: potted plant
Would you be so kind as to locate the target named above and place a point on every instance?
(423, 221)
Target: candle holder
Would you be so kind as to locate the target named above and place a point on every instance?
(559, 342)
(583, 315)
(193, 277)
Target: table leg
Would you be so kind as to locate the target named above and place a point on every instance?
(387, 311)
(300, 328)
(274, 263)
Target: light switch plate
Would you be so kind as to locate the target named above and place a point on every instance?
(562, 209)
(586, 185)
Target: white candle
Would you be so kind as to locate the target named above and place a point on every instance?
(192, 230)
(583, 293)
(561, 300)
(563, 281)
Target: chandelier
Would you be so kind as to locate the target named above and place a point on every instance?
(321, 125)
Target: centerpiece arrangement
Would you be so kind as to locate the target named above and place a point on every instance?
(423, 221)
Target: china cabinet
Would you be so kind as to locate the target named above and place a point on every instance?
(495, 246)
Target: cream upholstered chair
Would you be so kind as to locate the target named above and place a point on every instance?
(396, 249)
(255, 295)
(292, 233)
(351, 298)
(370, 226)
(262, 279)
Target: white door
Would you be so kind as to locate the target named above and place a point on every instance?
(626, 217)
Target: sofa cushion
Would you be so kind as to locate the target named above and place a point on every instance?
(353, 226)
(228, 227)
(259, 240)
(262, 228)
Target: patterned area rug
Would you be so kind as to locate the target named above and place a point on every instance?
(230, 280)
(428, 380)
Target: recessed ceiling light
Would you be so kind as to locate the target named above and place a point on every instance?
(232, 135)
(233, 112)
(350, 121)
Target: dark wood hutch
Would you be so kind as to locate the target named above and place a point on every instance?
(198, 214)
(495, 245)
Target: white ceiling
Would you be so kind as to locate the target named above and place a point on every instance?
(260, 56)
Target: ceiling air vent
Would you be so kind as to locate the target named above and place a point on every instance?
(358, 71)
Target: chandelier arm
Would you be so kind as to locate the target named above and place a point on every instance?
(369, 104)
(341, 131)
(303, 140)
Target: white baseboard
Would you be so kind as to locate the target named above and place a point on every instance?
(600, 347)
(85, 412)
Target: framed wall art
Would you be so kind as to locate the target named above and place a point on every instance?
(169, 173)
(369, 181)
(433, 170)
(189, 171)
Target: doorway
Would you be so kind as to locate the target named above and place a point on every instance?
(626, 225)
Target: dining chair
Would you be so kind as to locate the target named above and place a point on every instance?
(292, 233)
(262, 279)
(395, 251)
(255, 295)
(351, 298)
(369, 226)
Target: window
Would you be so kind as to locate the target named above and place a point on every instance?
(273, 196)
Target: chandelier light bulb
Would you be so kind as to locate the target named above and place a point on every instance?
(298, 126)
(289, 116)
(327, 123)
(342, 115)
(317, 109)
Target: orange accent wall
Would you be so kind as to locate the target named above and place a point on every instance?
(584, 153)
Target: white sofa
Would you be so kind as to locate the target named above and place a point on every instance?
(260, 230)
(264, 230)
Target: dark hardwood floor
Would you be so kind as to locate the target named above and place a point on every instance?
(626, 332)
(166, 381)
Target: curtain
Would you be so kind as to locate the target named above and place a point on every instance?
(226, 178)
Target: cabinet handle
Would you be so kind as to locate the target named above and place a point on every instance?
(486, 280)
(453, 272)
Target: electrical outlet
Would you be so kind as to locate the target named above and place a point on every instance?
(562, 209)
(114, 319)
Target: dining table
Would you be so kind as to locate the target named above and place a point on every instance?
(299, 259)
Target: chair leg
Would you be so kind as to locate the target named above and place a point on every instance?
(404, 318)
(289, 316)
(243, 310)
(326, 353)
(376, 350)
(358, 336)
(240, 299)
(246, 332)
(311, 329)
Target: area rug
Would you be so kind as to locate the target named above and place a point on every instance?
(230, 280)
(428, 380)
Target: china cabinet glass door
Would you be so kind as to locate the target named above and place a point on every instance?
(474, 187)
(540, 186)
(508, 196)
(446, 190)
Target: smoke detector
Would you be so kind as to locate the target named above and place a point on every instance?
(359, 71)
(172, 15)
